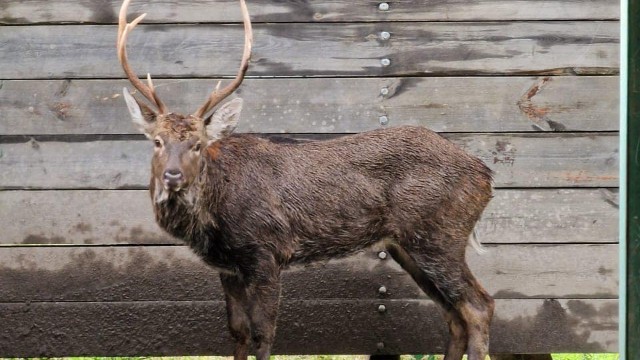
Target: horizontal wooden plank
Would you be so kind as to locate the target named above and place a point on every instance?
(550, 216)
(101, 217)
(319, 105)
(519, 160)
(29, 52)
(87, 217)
(99, 11)
(175, 274)
(304, 327)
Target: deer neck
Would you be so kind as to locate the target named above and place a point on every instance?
(173, 212)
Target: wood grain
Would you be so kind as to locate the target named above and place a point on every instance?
(88, 217)
(161, 273)
(88, 272)
(589, 47)
(105, 12)
(519, 160)
(318, 105)
(304, 327)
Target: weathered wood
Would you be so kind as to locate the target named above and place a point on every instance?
(319, 105)
(304, 327)
(79, 217)
(105, 12)
(101, 293)
(102, 217)
(550, 216)
(174, 274)
(28, 52)
(519, 160)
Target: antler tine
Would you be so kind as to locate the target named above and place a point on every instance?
(218, 95)
(124, 29)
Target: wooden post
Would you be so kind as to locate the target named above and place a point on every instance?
(632, 341)
(384, 357)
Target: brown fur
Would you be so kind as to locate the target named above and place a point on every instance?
(252, 206)
(214, 151)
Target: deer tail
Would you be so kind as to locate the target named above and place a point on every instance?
(476, 244)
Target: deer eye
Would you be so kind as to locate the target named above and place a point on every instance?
(157, 143)
(197, 146)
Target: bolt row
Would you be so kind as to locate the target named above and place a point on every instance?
(384, 62)
(384, 120)
(382, 290)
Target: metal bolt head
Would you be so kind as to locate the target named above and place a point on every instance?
(382, 255)
(383, 6)
(385, 35)
(380, 345)
(384, 91)
(384, 120)
(382, 308)
(385, 62)
(382, 290)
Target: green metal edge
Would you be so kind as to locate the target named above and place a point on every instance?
(622, 258)
(632, 194)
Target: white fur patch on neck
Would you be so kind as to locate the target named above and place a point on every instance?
(189, 196)
(160, 194)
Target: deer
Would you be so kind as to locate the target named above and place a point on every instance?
(251, 206)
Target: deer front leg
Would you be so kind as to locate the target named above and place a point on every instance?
(263, 295)
(237, 316)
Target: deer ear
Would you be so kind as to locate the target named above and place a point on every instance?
(224, 120)
(142, 115)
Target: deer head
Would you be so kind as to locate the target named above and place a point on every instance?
(179, 139)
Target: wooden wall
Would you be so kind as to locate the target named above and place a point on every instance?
(529, 86)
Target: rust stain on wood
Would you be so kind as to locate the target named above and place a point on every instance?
(504, 153)
(538, 115)
(582, 176)
(60, 109)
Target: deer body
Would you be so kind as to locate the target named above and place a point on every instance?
(313, 201)
(251, 206)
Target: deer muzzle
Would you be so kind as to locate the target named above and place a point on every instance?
(173, 179)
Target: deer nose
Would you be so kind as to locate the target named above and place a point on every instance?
(172, 175)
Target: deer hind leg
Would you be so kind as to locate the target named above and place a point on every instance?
(457, 331)
(476, 309)
(441, 272)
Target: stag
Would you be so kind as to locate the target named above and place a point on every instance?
(251, 206)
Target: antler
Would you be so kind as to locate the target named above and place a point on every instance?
(124, 29)
(218, 95)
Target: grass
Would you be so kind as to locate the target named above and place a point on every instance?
(554, 356)
(586, 357)
(329, 357)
